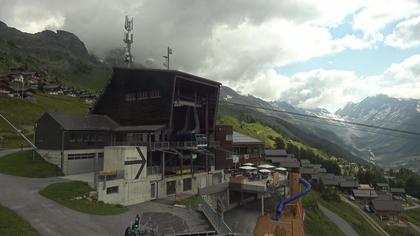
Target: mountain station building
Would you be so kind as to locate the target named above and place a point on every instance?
(150, 134)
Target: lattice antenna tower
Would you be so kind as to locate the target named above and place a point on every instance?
(128, 40)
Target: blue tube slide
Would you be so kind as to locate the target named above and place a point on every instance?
(280, 207)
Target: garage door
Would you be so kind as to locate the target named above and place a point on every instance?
(80, 163)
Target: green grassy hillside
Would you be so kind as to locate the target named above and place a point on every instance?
(269, 136)
(57, 55)
(23, 114)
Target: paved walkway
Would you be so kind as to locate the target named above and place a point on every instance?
(337, 220)
(50, 218)
(415, 227)
(5, 152)
(412, 207)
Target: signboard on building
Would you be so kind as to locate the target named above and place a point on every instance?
(235, 158)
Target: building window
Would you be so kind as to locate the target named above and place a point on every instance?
(79, 138)
(142, 95)
(228, 137)
(187, 184)
(100, 155)
(129, 97)
(92, 138)
(72, 138)
(85, 138)
(79, 156)
(113, 189)
(154, 94)
(100, 138)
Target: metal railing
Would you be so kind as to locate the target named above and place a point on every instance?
(215, 220)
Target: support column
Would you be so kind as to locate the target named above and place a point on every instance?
(262, 204)
(95, 180)
(162, 163)
(192, 167)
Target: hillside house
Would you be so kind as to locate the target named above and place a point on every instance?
(387, 209)
(235, 148)
(384, 187)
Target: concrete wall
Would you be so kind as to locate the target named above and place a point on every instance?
(135, 187)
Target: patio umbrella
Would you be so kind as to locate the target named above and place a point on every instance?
(248, 164)
(266, 166)
(265, 171)
(281, 169)
(247, 168)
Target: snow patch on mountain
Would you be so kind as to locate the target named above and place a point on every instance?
(228, 97)
(418, 107)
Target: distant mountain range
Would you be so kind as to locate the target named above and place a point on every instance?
(57, 55)
(384, 148)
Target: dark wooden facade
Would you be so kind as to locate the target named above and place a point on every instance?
(160, 97)
(51, 135)
(229, 149)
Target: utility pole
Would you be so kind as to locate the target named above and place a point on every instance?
(167, 57)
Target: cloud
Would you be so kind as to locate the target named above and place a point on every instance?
(406, 34)
(240, 42)
(332, 89)
(375, 15)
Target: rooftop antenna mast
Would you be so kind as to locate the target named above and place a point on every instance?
(166, 62)
(128, 40)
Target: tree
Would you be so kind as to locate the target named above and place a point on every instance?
(279, 143)
(412, 186)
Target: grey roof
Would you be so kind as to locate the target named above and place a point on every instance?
(290, 164)
(387, 205)
(78, 121)
(140, 128)
(285, 161)
(308, 171)
(397, 190)
(243, 139)
(322, 170)
(382, 184)
(349, 184)
(305, 161)
(364, 193)
(333, 182)
(384, 197)
(275, 152)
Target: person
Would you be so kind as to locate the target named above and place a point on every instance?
(128, 231)
(137, 220)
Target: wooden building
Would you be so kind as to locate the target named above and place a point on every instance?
(235, 148)
(387, 209)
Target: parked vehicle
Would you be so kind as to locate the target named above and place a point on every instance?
(368, 209)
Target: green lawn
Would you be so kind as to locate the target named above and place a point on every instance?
(12, 224)
(22, 164)
(65, 194)
(317, 223)
(23, 114)
(192, 201)
(413, 216)
(349, 214)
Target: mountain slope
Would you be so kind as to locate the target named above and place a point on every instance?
(56, 55)
(303, 130)
(386, 148)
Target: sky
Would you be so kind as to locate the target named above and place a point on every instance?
(318, 53)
